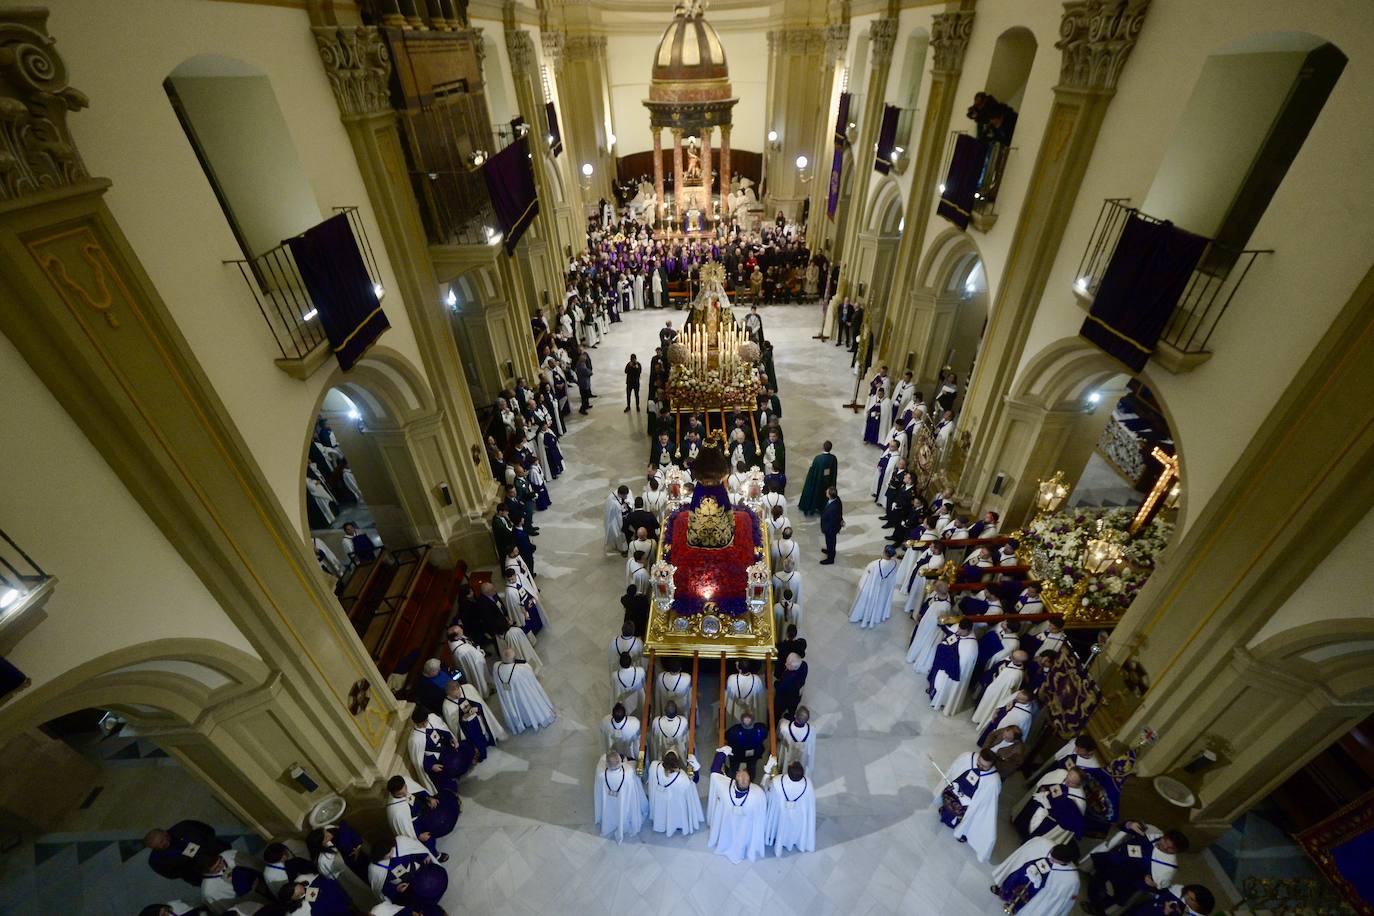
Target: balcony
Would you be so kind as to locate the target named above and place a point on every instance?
(980, 165)
(275, 283)
(24, 590)
(1183, 345)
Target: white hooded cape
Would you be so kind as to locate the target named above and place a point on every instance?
(523, 700)
(873, 603)
(621, 805)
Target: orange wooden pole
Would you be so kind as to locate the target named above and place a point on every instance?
(692, 722)
(772, 728)
(648, 696)
(721, 735)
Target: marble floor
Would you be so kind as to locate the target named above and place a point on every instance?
(527, 843)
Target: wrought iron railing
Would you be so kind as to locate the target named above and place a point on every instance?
(276, 285)
(1205, 298)
(20, 576)
(454, 206)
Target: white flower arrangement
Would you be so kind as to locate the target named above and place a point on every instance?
(1057, 543)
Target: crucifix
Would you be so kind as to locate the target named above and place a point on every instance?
(1154, 501)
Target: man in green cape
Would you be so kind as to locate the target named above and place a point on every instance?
(823, 474)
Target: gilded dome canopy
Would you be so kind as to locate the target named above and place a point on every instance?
(690, 84)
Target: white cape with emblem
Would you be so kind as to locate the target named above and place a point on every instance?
(523, 701)
(674, 804)
(873, 603)
(921, 652)
(472, 661)
(1060, 887)
(999, 692)
(791, 815)
(621, 806)
(739, 829)
(979, 823)
(950, 694)
(796, 743)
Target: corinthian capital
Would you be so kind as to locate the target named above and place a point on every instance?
(358, 67)
(949, 35)
(552, 43)
(520, 49)
(36, 148)
(882, 36)
(836, 41)
(1095, 38)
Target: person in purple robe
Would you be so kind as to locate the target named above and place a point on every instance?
(431, 816)
(554, 454)
(318, 895)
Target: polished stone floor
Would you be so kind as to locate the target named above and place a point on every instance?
(527, 844)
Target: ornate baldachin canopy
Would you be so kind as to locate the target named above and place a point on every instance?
(690, 85)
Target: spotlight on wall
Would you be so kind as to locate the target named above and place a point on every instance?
(802, 163)
(1094, 398)
(610, 141)
(378, 290)
(772, 136)
(942, 187)
(310, 315)
(10, 596)
(774, 143)
(587, 169)
(1081, 284)
(451, 299)
(493, 236)
(478, 157)
(354, 416)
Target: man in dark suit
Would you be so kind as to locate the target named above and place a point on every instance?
(856, 326)
(640, 517)
(842, 323)
(636, 610)
(502, 529)
(488, 619)
(832, 520)
(787, 688)
(793, 644)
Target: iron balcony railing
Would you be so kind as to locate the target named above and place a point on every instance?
(20, 576)
(286, 305)
(455, 207)
(1220, 272)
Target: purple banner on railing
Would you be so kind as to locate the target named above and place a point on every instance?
(887, 139)
(510, 184)
(956, 194)
(833, 200)
(1147, 274)
(555, 136)
(842, 120)
(340, 287)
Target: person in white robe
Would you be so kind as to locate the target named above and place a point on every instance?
(521, 604)
(333, 863)
(1053, 638)
(639, 292)
(884, 418)
(1008, 637)
(399, 814)
(739, 818)
(1029, 601)
(627, 643)
(927, 564)
(1137, 851)
(968, 801)
(637, 573)
(643, 544)
(786, 550)
(621, 805)
(669, 732)
(920, 652)
(656, 287)
(616, 510)
(788, 579)
(220, 887)
(1011, 673)
(469, 659)
(777, 521)
(404, 847)
(655, 498)
(518, 641)
(797, 739)
(772, 500)
(886, 467)
(674, 805)
(523, 700)
(329, 561)
(786, 610)
(947, 692)
(1039, 879)
(324, 500)
(873, 603)
(1036, 815)
(621, 732)
(627, 685)
(673, 684)
(791, 810)
(744, 692)
(452, 710)
(418, 743)
(1018, 712)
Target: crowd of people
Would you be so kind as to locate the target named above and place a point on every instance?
(995, 672)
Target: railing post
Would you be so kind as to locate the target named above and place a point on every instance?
(648, 719)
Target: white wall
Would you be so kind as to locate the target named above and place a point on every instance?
(120, 582)
(1227, 118)
(1319, 221)
(119, 54)
(502, 102)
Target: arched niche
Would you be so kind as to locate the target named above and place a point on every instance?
(1243, 125)
(877, 254)
(914, 52)
(1009, 70)
(951, 305)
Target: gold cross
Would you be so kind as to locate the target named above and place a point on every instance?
(1161, 487)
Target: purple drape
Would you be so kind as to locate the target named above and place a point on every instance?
(340, 287)
(956, 200)
(837, 163)
(551, 116)
(1146, 276)
(887, 138)
(510, 184)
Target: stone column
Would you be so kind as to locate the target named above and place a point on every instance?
(677, 176)
(96, 331)
(1097, 38)
(658, 175)
(797, 59)
(584, 94)
(706, 171)
(882, 36)
(820, 226)
(949, 37)
(572, 219)
(358, 68)
(529, 98)
(725, 172)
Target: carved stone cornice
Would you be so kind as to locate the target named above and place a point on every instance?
(949, 36)
(1095, 38)
(553, 44)
(37, 152)
(797, 41)
(358, 66)
(882, 37)
(520, 50)
(584, 47)
(836, 41)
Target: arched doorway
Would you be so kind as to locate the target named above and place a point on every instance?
(949, 312)
(876, 257)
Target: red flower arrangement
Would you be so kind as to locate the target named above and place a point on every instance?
(717, 574)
